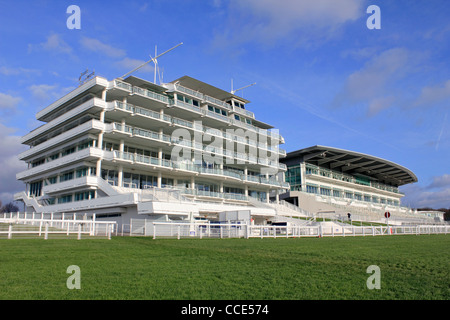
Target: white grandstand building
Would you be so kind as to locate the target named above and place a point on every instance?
(129, 148)
(330, 181)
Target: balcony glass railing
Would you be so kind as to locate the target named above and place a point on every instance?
(190, 166)
(315, 170)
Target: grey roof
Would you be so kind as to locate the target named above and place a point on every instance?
(354, 163)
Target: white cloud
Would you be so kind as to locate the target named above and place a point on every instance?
(8, 102)
(433, 95)
(440, 182)
(10, 164)
(268, 21)
(45, 92)
(436, 195)
(7, 71)
(54, 44)
(372, 84)
(98, 46)
(129, 64)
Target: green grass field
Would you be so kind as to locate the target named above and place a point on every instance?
(412, 267)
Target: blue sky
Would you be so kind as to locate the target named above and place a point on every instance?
(322, 77)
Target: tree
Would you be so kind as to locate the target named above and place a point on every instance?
(9, 207)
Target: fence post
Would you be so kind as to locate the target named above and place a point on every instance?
(154, 231)
(79, 231)
(179, 227)
(93, 225)
(10, 230)
(46, 231)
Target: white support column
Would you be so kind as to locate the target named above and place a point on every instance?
(159, 182)
(192, 183)
(160, 154)
(120, 176)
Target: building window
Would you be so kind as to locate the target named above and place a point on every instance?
(325, 191)
(35, 189)
(37, 163)
(311, 189)
(337, 193)
(68, 151)
(66, 176)
(80, 196)
(65, 199)
(53, 180)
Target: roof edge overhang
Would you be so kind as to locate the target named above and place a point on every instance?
(362, 163)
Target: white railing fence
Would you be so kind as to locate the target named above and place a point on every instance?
(143, 227)
(45, 225)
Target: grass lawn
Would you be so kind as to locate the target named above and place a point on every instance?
(412, 267)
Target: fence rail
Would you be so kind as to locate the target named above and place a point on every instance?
(142, 227)
(31, 225)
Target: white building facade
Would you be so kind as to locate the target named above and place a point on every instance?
(129, 148)
(332, 180)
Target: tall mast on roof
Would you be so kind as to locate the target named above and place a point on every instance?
(155, 61)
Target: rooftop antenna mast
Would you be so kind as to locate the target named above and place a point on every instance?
(234, 91)
(155, 61)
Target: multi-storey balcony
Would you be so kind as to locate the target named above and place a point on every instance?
(95, 86)
(79, 132)
(319, 173)
(190, 167)
(87, 154)
(159, 119)
(58, 124)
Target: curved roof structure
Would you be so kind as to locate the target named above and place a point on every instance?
(355, 163)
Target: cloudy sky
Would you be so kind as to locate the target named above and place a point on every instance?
(322, 76)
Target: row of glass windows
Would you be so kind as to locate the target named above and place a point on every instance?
(79, 196)
(346, 194)
(70, 175)
(140, 181)
(64, 152)
(293, 176)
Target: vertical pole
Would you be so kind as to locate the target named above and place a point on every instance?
(154, 231)
(93, 224)
(10, 231)
(179, 232)
(79, 231)
(46, 231)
